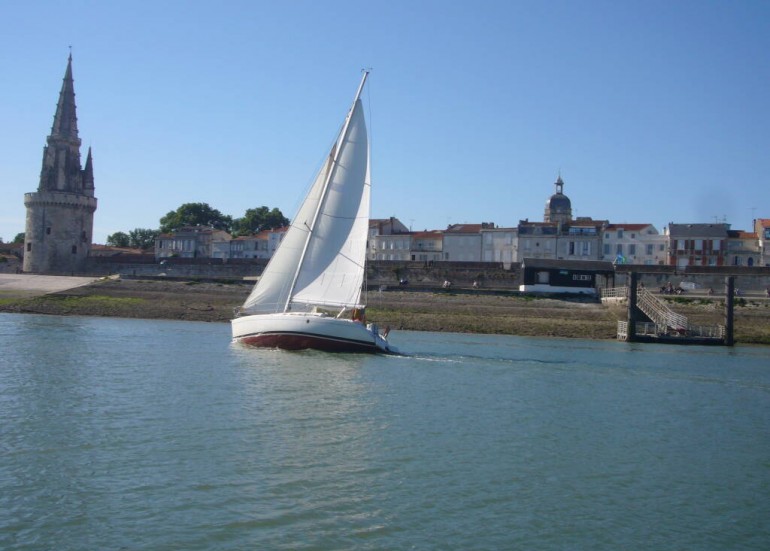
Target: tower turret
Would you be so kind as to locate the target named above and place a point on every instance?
(558, 208)
(60, 215)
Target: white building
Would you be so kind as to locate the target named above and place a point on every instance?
(388, 239)
(462, 242)
(427, 246)
(499, 245)
(634, 244)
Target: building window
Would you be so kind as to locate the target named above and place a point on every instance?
(632, 249)
(29, 247)
(586, 248)
(699, 244)
(649, 249)
(571, 247)
(715, 245)
(619, 249)
(606, 248)
(48, 231)
(620, 234)
(74, 249)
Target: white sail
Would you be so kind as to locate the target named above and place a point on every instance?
(271, 293)
(332, 272)
(328, 235)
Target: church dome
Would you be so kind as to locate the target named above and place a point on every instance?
(559, 203)
(558, 208)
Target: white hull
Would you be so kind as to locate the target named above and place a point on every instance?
(298, 331)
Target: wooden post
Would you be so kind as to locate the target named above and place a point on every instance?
(729, 317)
(632, 315)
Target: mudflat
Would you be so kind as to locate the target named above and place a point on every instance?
(457, 311)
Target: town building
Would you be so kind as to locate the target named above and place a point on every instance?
(60, 214)
(191, 242)
(762, 229)
(462, 242)
(742, 249)
(250, 246)
(427, 246)
(500, 245)
(559, 237)
(388, 239)
(634, 244)
(697, 244)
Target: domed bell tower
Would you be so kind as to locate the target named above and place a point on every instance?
(60, 214)
(558, 208)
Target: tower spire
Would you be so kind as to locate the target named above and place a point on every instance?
(65, 121)
(88, 172)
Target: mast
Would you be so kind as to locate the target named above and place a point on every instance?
(327, 179)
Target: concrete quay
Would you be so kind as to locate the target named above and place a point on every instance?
(29, 285)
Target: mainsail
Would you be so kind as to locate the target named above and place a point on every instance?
(321, 260)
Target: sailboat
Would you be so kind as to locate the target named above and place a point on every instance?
(310, 294)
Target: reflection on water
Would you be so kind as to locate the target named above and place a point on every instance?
(145, 435)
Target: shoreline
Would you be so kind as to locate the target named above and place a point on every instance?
(442, 311)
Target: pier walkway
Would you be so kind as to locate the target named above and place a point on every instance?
(664, 325)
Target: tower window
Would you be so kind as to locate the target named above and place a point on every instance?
(29, 247)
(74, 249)
(48, 231)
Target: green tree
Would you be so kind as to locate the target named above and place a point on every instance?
(195, 214)
(142, 238)
(118, 239)
(259, 219)
(19, 238)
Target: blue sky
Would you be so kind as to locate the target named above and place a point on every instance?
(652, 111)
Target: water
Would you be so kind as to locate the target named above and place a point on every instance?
(133, 434)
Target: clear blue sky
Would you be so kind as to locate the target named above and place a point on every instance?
(652, 111)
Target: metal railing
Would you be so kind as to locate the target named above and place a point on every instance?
(614, 292)
(651, 329)
(658, 311)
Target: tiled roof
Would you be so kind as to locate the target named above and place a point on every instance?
(628, 227)
(698, 230)
(740, 234)
(464, 228)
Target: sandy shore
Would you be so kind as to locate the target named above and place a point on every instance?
(410, 310)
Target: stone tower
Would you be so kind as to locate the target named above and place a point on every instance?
(558, 208)
(60, 214)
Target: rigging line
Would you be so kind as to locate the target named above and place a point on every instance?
(354, 262)
(337, 217)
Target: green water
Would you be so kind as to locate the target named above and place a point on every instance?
(133, 434)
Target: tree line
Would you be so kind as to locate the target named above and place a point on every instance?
(201, 214)
(196, 214)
